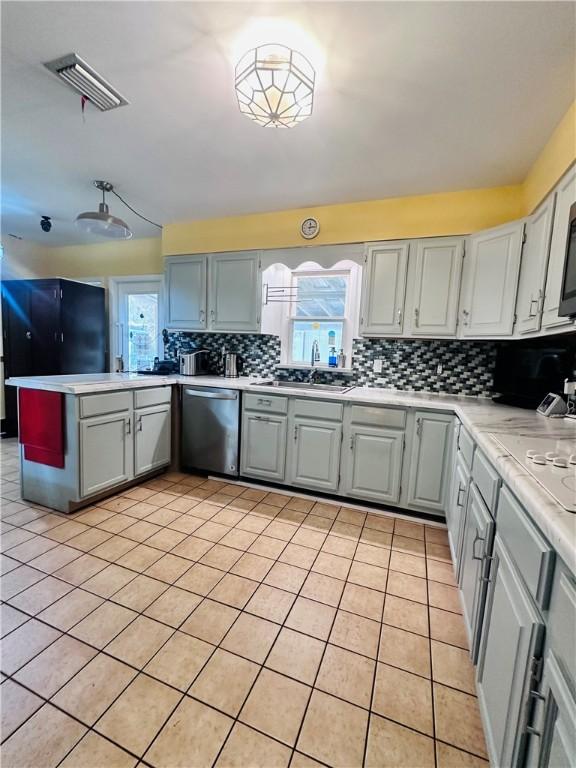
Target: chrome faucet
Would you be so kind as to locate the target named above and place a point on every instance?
(315, 353)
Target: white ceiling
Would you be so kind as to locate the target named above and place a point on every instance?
(414, 98)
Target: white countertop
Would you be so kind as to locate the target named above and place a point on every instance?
(480, 416)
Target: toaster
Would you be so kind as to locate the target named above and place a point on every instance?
(195, 363)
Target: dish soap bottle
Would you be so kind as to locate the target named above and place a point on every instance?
(332, 359)
(341, 359)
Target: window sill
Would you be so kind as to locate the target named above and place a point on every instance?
(323, 368)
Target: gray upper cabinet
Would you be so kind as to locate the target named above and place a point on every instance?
(314, 450)
(372, 463)
(151, 438)
(105, 452)
(530, 299)
(429, 470)
(565, 197)
(436, 287)
(490, 281)
(476, 549)
(186, 286)
(384, 289)
(235, 292)
(263, 451)
(511, 646)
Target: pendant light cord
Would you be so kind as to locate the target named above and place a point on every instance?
(134, 211)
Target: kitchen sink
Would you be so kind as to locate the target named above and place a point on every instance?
(304, 385)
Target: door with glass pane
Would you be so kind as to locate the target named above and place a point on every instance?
(139, 332)
(318, 314)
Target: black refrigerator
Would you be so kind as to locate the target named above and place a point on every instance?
(51, 327)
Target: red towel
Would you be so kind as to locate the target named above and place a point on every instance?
(41, 422)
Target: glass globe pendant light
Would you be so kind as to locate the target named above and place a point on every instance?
(275, 86)
(101, 222)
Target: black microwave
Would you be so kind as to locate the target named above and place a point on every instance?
(568, 293)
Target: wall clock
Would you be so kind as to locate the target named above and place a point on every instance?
(309, 228)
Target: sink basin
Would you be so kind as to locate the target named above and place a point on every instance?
(303, 385)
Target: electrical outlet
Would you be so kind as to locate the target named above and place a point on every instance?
(377, 366)
(439, 369)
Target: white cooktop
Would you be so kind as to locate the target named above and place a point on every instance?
(552, 462)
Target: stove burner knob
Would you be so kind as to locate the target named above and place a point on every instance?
(539, 458)
(530, 454)
(560, 461)
(551, 455)
(573, 458)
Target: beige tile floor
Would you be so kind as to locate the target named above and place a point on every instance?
(193, 623)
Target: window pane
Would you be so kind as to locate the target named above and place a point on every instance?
(321, 296)
(327, 333)
(142, 330)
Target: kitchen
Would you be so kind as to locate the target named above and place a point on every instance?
(289, 447)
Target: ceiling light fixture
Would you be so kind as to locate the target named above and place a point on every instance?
(80, 76)
(101, 222)
(275, 86)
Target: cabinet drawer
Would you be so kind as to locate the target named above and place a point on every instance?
(466, 447)
(107, 402)
(378, 417)
(529, 550)
(268, 403)
(152, 396)
(316, 409)
(486, 479)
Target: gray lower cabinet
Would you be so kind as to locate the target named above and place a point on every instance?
(372, 463)
(553, 744)
(314, 453)
(510, 652)
(456, 507)
(151, 438)
(263, 451)
(429, 463)
(105, 452)
(477, 541)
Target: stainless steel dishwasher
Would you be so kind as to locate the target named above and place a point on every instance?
(210, 429)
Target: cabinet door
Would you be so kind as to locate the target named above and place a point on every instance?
(437, 276)
(430, 461)
(490, 281)
(235, 292)
(455, 510)
(263, 452)
(186, 292)
(372, 463)
(384, 289)
(533, 268)
(315, 453)
(554, 743)
(511, 646)
(477, 540)
(151, 438)
(105, 452)
(565, 197)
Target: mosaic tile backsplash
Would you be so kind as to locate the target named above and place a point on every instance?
(451, 367)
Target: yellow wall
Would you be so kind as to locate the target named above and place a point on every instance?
(418, 216)
(130, 257)
(558, 154)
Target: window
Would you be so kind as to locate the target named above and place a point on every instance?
(138, 313)
(318, 312)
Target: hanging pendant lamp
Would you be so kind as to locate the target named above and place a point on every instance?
(101, 222)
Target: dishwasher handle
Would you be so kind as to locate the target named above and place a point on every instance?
(211, 395)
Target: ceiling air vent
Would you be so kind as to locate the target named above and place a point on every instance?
(77, 74)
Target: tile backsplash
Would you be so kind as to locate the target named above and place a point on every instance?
(451, 366)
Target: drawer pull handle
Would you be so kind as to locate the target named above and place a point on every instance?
(461, 489)
(416, 317)
(477, 538)
(129, 426)
(351, 442)
(140, 424)
(419, 426)
(399, 317)
(530, 312)
(296, 432)
(262, 401)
